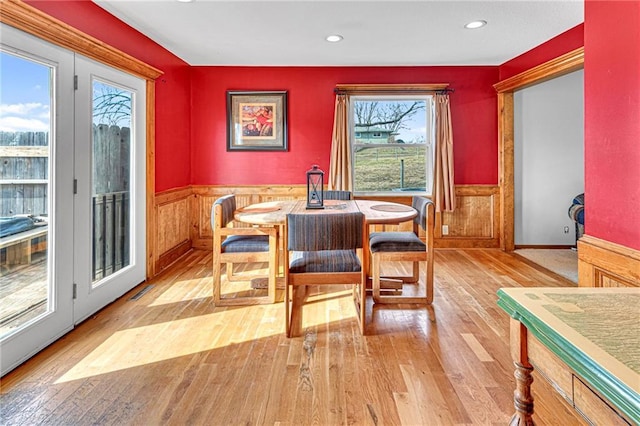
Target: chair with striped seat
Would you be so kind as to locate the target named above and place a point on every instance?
(406, 246)
(241, 245)
(323, 249)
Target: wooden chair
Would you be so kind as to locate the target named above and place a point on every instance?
(241, 245)
(323, 249)
(406, 246)
(336, 195)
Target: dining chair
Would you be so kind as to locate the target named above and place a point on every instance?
(323, 249)
(336, 195)
(406, 246)
(241, 245)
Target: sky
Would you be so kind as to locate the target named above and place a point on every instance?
(25, 97)
(417, 129)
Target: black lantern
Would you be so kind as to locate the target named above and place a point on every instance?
(315, 188)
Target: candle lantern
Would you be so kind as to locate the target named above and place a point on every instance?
(315, 188)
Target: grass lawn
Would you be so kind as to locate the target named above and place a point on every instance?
(380, 169)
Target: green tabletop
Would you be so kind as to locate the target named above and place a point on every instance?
(595, 331)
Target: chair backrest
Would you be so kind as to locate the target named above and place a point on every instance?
(425, 208)
(227, 205)
(337, 195)
(317, 232)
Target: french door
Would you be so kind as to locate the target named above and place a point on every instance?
(72, 180)
(109, 210)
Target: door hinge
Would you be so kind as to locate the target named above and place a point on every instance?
(75, 186)
(75, 82)
(75, 291)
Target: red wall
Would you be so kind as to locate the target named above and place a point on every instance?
(563, 43)
(172, 88)
(612, 121)
(310, 119)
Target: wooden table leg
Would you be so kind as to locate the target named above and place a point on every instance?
(366, 254)
(522, 398)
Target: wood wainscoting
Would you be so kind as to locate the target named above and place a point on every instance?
(605, 264)
(173, 225)
(183, 217)
(205, 196)
(475, 221)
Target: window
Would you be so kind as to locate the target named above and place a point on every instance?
(392, 140)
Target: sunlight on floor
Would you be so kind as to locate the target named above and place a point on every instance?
(154, 343)
(159, 342)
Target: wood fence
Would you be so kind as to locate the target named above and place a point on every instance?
(111, 159)
(24, 171)
(111, 233)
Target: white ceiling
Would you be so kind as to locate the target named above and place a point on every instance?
(376, 33)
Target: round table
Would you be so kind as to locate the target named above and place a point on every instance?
(375, 212)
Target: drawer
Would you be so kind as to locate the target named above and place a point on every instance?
(592, 407)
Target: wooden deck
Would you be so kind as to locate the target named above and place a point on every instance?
(171, 357)
(23, 292)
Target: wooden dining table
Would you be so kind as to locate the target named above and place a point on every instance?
(375, 212)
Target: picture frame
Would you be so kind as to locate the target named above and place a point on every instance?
(257, 121)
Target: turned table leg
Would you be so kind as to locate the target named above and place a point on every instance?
(522, 398)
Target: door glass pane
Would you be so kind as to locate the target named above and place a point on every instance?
(25, 177)
(111, 177)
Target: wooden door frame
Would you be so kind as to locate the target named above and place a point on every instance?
(557, 67)
(35, 22)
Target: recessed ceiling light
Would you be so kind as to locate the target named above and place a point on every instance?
(185, 1)
(475, 24)
(334, 38)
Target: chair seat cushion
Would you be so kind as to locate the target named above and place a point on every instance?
(324, 261)
(395, 241)
(245, 243)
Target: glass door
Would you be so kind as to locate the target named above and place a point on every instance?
(110, 199)
(72, 181)
(36, 182)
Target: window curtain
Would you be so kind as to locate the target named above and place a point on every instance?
(444, 191)
(340, 174)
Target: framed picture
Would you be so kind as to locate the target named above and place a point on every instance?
(256, 121)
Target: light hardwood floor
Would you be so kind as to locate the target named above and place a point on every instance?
(170, 357)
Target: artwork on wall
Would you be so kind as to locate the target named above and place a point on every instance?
(256, 121)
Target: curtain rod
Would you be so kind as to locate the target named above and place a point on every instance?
(358, 89)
